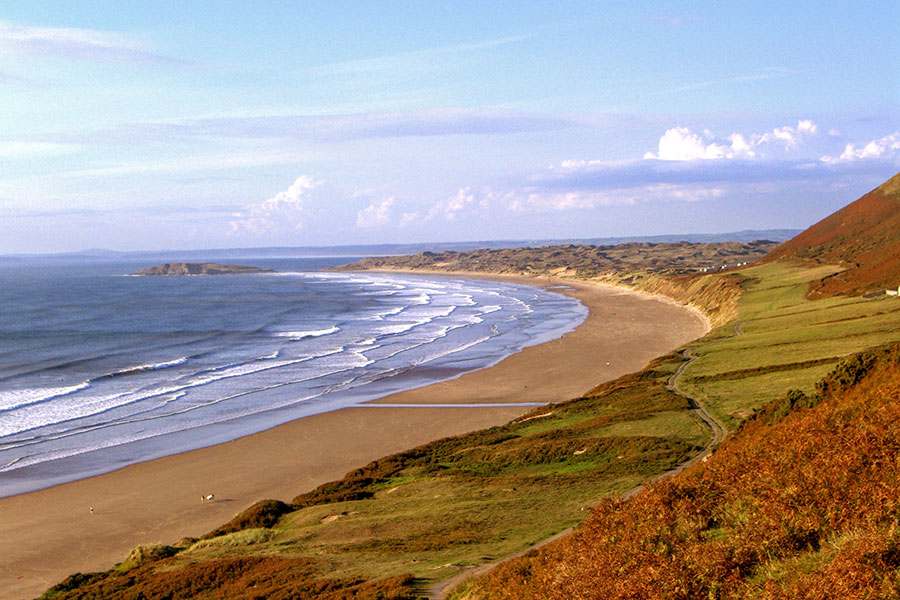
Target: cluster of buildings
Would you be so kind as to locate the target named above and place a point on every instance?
(723, 267)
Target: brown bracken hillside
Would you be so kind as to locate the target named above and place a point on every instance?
(802, 503)
(863, 238)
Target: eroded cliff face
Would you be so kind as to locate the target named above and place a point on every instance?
(715, 295)
(186, 268)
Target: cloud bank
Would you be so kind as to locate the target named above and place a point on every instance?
(687, 166)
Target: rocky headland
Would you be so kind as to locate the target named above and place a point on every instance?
(191, 268)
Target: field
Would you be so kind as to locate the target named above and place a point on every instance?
(786, 342)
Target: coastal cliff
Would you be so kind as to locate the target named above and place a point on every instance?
(187, 268)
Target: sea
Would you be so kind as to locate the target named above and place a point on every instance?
(100, 369)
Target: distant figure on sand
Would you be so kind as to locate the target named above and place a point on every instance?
(92, 510)
(208, 498)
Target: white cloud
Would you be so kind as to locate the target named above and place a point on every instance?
(740, 146)
(292, 197)
(407, 61)
(284, 209)
(544, 202)
(190, 164)
(11, 33)
(70, 42)
(807, 126)
(450, 208)
(886, 147)
(788, 136)
(691, 166)
(683, 193)
(409, 218)
(682, 144)
(377, 214)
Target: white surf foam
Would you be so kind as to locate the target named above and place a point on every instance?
(296, 336)
(11, 399)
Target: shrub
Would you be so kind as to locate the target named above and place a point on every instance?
(264, 513)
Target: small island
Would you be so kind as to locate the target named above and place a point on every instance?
(192, 268)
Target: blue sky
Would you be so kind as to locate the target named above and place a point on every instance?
(234, 124)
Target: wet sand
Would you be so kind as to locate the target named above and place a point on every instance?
(48, 534)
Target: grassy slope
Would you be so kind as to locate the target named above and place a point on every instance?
(788, 341)
(863, 237)
(803, 502)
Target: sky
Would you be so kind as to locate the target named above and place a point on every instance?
(193, 124)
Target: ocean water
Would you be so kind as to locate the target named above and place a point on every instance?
(99, 369)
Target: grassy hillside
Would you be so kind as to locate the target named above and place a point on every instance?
(803, 502)
(863, 238)
(787, 341)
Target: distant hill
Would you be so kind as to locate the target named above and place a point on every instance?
(863, 237)
(581, 260)
(360, 250)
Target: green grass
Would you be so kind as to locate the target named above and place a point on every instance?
(790, 342)
(680, 424)
(463, 501)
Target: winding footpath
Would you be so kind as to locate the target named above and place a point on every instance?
(439, 590)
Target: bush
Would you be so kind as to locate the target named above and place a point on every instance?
(264, 513)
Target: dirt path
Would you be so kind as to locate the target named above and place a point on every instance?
(439, 590)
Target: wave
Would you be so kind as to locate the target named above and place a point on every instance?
(16, 399)
(380, 316)
(395, 328)
(13, 399)
(353, 361)
(296, 336)
(34, 417)
(492, 308)
(413, 319)
(147, 367)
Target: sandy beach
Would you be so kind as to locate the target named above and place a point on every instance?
(51, 533)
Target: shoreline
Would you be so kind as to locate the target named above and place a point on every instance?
(104, 459)
(48, 534)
